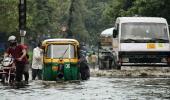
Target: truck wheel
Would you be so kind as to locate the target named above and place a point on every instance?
(84, 71)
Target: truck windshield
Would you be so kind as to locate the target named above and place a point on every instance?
(60, 51)
(144, 31)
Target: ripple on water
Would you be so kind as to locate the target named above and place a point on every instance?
(97, 88)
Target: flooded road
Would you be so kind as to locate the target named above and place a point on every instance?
(97, 88)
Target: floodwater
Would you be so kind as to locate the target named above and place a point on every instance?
(97, 88)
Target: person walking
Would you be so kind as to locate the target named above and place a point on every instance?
(93, 60)
(27, 66)
(37, 62)
(18, 52)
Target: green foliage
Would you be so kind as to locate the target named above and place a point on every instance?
(150, 8)
(8, 15)
(89, 17)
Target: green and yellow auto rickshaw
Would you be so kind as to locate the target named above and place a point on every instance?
(62, 60)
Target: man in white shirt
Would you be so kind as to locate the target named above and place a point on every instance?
(37, 62)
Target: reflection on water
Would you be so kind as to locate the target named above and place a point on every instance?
(94, 89)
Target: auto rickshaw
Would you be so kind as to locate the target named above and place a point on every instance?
(62, 60)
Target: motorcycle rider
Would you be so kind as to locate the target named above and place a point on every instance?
(18, 52)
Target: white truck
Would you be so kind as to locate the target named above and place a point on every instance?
(141, 41)
(106, 38)
(105, 52)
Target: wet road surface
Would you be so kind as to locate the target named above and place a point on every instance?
(97, 88)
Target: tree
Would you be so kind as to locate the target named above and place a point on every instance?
(150, 8)
(9, 16)
(42, 17)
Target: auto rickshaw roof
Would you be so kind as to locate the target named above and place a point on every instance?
(60, 41)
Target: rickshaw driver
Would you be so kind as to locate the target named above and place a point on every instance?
(18, 52)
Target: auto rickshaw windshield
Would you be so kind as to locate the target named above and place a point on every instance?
(61, 51)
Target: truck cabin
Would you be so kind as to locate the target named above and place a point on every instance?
(142, 40)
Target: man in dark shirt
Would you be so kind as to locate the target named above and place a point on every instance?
(18, 52)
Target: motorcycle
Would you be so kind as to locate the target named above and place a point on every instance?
(7, 70)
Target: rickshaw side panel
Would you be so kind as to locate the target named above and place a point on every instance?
(71, 71)
(48, 73)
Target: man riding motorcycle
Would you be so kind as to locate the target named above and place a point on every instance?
(18, 52)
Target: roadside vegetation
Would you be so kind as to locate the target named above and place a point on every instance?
(88, 17)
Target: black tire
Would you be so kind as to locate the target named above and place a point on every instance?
(12, 78)
(84, 71)
(3, 78)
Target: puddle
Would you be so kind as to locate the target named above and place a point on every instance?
(97, 88)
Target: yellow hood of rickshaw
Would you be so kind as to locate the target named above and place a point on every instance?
(49, 60)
